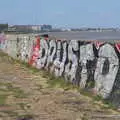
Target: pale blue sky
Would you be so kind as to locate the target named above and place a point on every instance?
(68, 13)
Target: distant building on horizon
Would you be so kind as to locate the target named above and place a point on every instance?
(3, 27)
(46, 28)
(29, 28)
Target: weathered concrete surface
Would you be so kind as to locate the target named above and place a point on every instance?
(87, 64)
(106, 70)
(25, 94)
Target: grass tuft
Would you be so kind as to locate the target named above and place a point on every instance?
(3, 100)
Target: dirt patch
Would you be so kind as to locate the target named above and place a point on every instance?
(28, 95)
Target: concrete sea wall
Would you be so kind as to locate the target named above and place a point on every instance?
(88, 64)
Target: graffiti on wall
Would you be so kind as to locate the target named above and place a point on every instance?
(35, 52)
(92, 65)
(2, 40)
